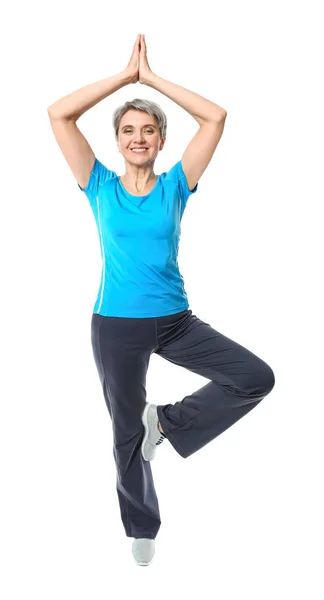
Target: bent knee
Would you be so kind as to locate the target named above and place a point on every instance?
(268, 379)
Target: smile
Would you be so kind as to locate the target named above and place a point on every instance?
(139, 149)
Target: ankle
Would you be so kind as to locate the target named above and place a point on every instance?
(160, 428)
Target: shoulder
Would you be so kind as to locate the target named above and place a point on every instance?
(177, 175)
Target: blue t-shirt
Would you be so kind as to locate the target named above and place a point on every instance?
(139, 240)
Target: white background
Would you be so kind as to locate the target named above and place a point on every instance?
(241, 518)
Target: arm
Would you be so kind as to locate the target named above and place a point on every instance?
(200, 108)
(65, 112)
(210, 117)
(75, 104)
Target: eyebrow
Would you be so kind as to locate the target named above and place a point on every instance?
(147, 124)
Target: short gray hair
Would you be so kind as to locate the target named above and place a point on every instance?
(153, 109)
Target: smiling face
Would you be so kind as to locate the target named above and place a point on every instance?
(137, 129)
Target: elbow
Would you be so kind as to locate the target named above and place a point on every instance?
(221, 115)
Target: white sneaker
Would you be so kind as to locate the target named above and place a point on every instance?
(143, 550)
(152, 435)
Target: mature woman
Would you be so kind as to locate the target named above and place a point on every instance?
(142, 306)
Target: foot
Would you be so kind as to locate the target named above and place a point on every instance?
(152, 434)
(143, 550)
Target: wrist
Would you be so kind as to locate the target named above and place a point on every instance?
(149, 80)
(126, 77)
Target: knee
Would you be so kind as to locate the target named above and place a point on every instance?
(268, 379)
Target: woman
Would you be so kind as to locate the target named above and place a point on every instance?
(141, 306)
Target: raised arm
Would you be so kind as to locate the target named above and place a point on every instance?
(75, 104)
(65, 112)
(63, 115)
(211, 119)
(209, 115)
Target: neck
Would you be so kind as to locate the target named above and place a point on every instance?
(139, 179)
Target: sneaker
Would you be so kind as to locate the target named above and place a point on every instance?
(143, 550)
(152, 435)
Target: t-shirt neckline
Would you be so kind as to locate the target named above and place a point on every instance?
(132, 195)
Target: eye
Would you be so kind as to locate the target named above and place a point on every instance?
(150, 130)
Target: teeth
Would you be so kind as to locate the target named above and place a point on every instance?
(138, 149)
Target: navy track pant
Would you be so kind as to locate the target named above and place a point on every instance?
(122, 348)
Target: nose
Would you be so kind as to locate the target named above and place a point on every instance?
(139, 139)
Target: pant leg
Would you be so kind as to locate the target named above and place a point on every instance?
(239, 380)
(122, 348)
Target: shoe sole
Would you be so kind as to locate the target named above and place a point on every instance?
(143, 564)
(146, 431)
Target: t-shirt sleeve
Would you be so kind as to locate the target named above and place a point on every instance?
(176, 173)
(98, 177)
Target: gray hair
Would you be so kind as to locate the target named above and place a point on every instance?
(153, 109)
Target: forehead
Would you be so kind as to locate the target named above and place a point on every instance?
(136, 117)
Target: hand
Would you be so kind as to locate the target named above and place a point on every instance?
(144, 68)
(132, 69)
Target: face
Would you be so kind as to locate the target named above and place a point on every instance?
(138, 129)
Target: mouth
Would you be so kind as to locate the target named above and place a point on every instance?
(139, 150)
